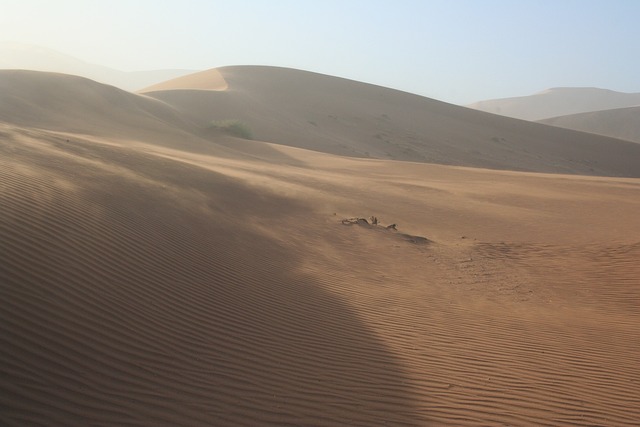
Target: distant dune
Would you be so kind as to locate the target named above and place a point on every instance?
(558, 102)
(21, 56)
(344, 117)
(154, 272)
(622, 123)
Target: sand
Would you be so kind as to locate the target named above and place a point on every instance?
(622, 123)
(158, 275)
(339, 116)
(560, 101)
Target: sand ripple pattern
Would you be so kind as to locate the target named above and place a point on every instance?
(139, 289)
(135, 291)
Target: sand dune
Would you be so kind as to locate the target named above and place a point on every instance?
(339, 116)
(63, 102)
(21, 56)
(211, 282)
(203, 80)
(560, 101)
(622, 123)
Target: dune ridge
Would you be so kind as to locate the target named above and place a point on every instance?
(343, 117)
(202, 80)
(74, 104)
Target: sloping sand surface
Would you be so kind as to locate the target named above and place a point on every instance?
(622, 123)
(559, 101)
(150, 283)
(339, 116)
(75, 104)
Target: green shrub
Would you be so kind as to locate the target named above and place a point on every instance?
(232, 127)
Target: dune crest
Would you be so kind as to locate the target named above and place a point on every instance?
(202, 80)
(348, 118)
(63, 102)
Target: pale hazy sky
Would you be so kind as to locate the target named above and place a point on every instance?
(453, 50)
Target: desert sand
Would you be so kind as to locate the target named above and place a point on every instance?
(156, 272)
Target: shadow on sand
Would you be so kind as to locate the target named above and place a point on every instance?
(139, 293)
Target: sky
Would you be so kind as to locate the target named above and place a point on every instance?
(459, 51)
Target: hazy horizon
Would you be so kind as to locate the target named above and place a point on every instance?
(459, 52)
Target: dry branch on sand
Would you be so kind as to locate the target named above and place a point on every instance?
(363, 221)
(376, 224)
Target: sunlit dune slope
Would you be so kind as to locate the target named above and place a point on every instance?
(202, 80)
(345, 117)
